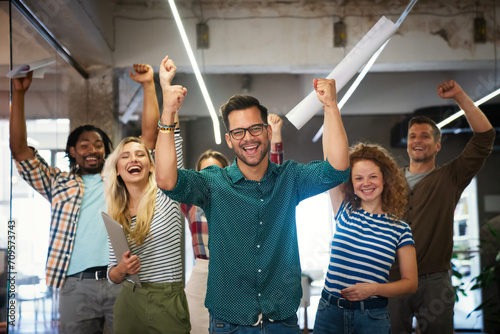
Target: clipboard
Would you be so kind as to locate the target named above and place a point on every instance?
(118, 241)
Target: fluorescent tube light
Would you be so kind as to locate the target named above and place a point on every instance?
(197, 72)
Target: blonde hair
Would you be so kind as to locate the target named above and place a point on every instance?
(394, 195)
(117, 196)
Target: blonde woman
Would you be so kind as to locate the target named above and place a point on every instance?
(152, 224)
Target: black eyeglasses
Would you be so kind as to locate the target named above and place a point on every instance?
(254, 130)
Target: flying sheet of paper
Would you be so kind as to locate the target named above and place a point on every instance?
(345, 70)
(38, 67)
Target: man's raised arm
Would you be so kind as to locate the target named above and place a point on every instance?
(335, 145)
(17, 123)
(166, 159)
(477, 119)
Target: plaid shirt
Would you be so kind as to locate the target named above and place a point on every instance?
(64, 191)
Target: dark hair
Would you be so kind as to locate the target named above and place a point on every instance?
(73, 139)
(240, 102)
(436, 133)
(394, 194)
(212, 154)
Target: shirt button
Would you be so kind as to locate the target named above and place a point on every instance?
(261, 200)
(260, 270)
(260, 223)
(259, 294)
(258, 246)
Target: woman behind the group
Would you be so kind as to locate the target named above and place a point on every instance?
(369, 234)
(151, 221)
(196, 287)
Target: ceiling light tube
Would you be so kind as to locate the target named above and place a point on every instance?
(197, 73)
(461, 112)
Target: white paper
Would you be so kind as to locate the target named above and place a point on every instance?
(345, 70)
(38, 67)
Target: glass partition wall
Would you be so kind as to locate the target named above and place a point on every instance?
(27, 304)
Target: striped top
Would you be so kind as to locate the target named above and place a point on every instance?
(363, 248)
(160, 254)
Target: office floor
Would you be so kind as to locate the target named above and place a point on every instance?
(33, 319)
(46, 325)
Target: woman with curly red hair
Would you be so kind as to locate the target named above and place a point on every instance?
(369, 235)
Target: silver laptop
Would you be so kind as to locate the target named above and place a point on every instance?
(118, 241)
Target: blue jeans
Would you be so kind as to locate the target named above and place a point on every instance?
(289, 325)
(332, 319)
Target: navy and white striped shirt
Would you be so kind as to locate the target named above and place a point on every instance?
(160, 254)
(363, 248)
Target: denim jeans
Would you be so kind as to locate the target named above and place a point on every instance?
(289, 325)
(332, 319)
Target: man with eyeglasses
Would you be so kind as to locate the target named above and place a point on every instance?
(254, 270)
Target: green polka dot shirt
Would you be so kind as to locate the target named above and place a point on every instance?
(254, 263)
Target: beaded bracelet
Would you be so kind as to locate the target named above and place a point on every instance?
(166, 128)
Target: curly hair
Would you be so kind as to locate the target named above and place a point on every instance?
(394, 195)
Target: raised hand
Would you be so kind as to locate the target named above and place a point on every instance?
(275, 122)
(449, 89)
(22, 84)
(173, 96)
(326, 91)
(167, 71)
(143, 73)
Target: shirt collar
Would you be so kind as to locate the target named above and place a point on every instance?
(236, 175)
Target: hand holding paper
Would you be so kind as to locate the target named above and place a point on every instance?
(37, 68)
(22, 84)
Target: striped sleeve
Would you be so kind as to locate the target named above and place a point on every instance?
(111, 260)
(406, 237)
(178, 148)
